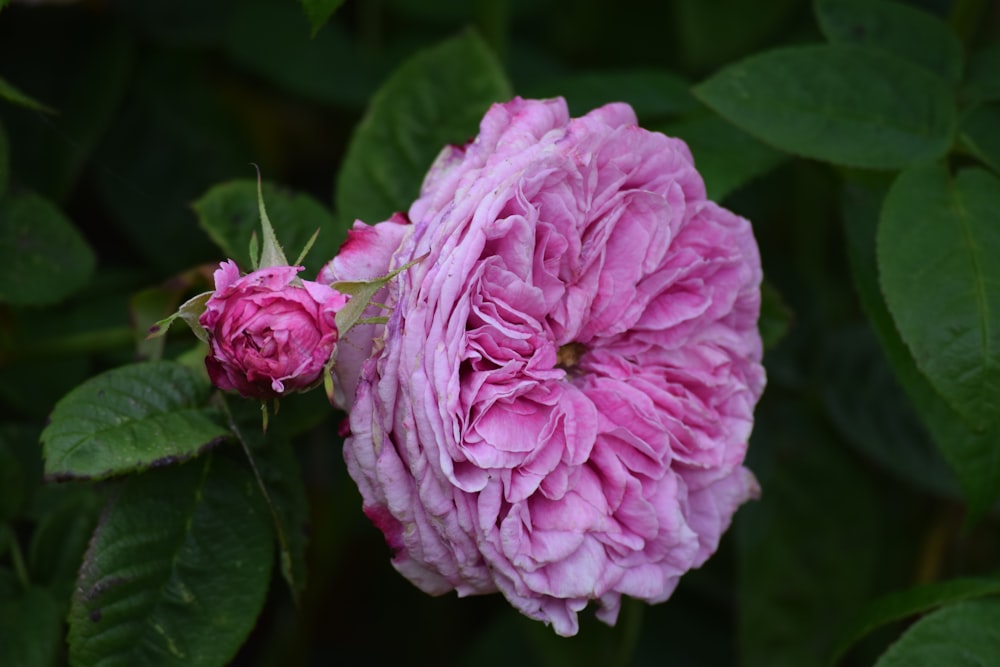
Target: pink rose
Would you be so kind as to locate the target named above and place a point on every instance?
(269, 333)
(559, 406)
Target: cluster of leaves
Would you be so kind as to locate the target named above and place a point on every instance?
(860, 136)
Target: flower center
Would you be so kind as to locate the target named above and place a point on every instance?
(569, 355)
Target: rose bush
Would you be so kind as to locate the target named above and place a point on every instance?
(269, 333)
(559, 406)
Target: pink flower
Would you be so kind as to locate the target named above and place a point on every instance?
(269, 333)
(559, 406)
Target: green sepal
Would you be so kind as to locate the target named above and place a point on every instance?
(189, 311)
(271, 253)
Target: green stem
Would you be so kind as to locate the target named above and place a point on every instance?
(279, 529)
(966, 17)
(631, 626)
(18, 559)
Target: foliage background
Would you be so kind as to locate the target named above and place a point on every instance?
(119, 203)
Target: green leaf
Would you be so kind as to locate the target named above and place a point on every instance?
(982, 78)
(974, 456)
(280, 472)
(43, 258)
(177, 570)
(320, 11)
(651, 93)
(13, 483)
(899, 29)
(190, 311)
(15, 96)
(4, 162)
(963, 634)
(980, 134)
(435, 98)
(726, 157)
(129, 419)
(31, 625)
(938, 239)
(910, 602)
(229, 213)
(842, 104)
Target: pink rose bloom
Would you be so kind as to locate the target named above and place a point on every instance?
(559, 406)
(269, 334)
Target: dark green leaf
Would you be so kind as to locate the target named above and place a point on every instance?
(4, 162)
(435, 98)
(281, 474)
(15, 96)
(870, 409)
(966, 634)
(271, 40)
(799, 578)
(980, 134)
(775, 315)
(904, 31)
(43, 258)
(176, 572)
(708, 33)
(50, 153)
(320, 11)
(652, 93)
(12, 483)
(917, 600)
(61, 537)
(31, 629)
(982, 78)
(842, 104)
(228, 212)
(173, 140)
(726, 157)
(937, 241)
(972, 455)
(129, 419)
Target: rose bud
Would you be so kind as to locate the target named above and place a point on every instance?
(269, 333)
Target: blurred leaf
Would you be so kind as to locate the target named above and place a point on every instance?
(982, 77)
(61, 537)
(33, 386)
(775, 315)
(980, 134)
(4, 162)
(972, 455)
(87, 88)
(904, 31)
(320, 11)
(173, 139)
(172, 22)
(43, 258)
(31, 628)
(869, 408)
(176, 572)
(938, 238)
(799, 577)
(228, 212)
(842, 104)
(129, 419)
(12, 483)
(651, 93)
(966, 633)
(15, 96)
(271, 39)
(726, 157)
(711, 32)
(435, 98)
(917, 600)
